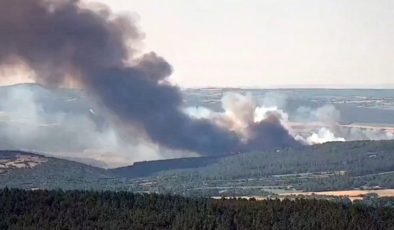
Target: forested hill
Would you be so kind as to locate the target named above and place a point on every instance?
(29, 171)
(148, 168)
(22, 209)
(357, 157)
(331, 166)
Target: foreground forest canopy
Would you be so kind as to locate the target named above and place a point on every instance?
(21, 209)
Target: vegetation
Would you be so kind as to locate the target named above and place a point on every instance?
(21, 209)
(357, 158)
(331, 166)
(54, 174)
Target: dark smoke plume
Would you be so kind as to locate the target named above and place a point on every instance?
(62, 40)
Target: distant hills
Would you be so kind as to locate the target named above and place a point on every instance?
(331, 166)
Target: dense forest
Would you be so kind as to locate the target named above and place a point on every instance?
(22, 209)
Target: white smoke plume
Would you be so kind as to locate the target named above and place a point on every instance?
(309, 125)
(241, 112)
(323, 135)
(327, 118)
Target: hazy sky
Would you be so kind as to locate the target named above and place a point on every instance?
(267, 43)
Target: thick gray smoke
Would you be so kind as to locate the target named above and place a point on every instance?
(64, 123)
(65, 41)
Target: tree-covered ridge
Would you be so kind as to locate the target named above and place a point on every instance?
(357, 158)
(54, 173)
(21, 209)
(331, 166)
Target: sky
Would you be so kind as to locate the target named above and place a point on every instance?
(269, 43)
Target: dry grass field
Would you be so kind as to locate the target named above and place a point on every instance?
(352, 194)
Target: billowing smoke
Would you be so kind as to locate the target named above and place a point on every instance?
(66, 42)
(259, 127)
(243, 113)
(322, 135)
(63, 123)
(324, 126)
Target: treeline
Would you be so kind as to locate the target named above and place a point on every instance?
(21, 209)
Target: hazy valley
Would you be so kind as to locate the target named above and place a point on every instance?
(317, 115)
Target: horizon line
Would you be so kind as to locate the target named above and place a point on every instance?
(285, 86)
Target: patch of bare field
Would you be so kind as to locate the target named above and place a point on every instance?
(352, 194)
(21, 161)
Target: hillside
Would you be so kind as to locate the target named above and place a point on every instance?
(355, 158)
(149, 168)
(32, 171)
(331, 166)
